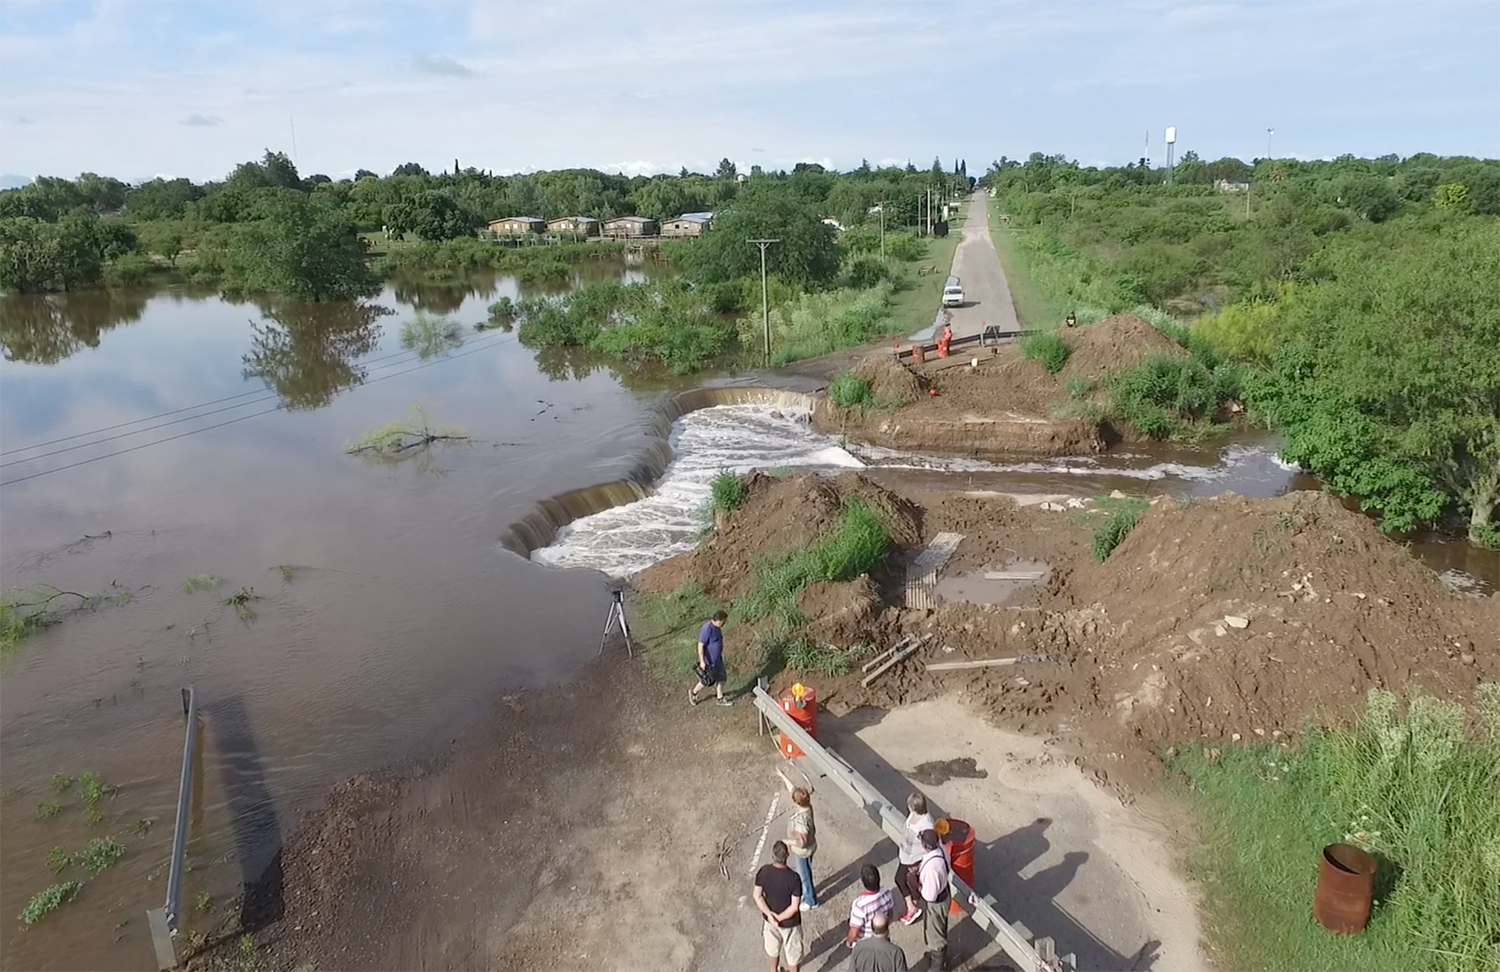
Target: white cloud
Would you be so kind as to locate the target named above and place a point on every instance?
(196, 120)
(440, 65)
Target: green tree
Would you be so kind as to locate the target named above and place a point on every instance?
(62, 255)
(1453, 196)
(432, 215)
(300, 249)
(726, 169)
(161, 198)
(164, 238)
(1389, 384)
(807, 254)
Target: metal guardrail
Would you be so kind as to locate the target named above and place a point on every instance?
(163, 920)
(1038, 957)
(988, 335)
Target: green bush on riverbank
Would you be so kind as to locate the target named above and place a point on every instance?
(665, 321)
(1414, 790)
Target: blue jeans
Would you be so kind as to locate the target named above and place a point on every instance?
(803, 866)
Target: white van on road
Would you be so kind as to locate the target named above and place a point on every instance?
(953, 293)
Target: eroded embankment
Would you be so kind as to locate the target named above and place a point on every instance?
(540, 527)
(993, 402)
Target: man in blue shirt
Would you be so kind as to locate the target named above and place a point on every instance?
(710, 670)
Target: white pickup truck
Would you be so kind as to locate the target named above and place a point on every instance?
(953, 293)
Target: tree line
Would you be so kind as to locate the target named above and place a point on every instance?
(1352, 304)
(61, 234)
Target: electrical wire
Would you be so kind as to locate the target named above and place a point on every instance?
(261, 392)
(241, 418)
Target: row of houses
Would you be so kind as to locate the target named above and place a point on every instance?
(620, 228)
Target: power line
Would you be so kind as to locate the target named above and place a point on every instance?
(261, 392)
(220, 425)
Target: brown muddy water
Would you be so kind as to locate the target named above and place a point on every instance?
(392, 602)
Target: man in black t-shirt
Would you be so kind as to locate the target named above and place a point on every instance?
(778, 896)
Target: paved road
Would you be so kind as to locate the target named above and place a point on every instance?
(978, 266)
(1058, 854)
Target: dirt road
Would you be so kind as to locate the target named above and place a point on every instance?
(986, 292)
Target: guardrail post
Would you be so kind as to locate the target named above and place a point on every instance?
(163, 920)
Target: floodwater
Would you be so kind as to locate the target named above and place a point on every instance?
(399, 613)
(150, 438)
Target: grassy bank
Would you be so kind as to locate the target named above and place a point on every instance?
(764, 633)
(1414, 789)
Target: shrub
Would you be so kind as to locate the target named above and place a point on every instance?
(848, 390)
(816, 324)
(503, 309)
(1163, 391)
(1079, 386)
(1049, 348)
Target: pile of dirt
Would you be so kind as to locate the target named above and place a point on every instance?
(1115, 344)
(778, 515)
(1253, 616)
(1221, 619)
(891, 382)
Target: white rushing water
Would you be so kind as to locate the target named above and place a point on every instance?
(739, 438)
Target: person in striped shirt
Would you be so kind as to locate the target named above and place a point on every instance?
(874, 900)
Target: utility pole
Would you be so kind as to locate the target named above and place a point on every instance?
(765, 304)
(1269, 133)
(882, 229)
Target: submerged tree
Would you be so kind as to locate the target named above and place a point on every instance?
(301, 248)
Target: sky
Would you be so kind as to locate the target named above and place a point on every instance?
(140, 88)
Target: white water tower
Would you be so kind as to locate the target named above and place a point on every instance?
(1171, 143)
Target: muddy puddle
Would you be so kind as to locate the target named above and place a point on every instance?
(995, 585)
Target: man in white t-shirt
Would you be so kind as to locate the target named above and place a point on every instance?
(873, 900)
(909, 854)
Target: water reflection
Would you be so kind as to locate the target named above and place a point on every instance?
(307, 353)
(440, 296)
(45, 329)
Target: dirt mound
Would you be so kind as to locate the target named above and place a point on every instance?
(1252, 616)
(890, 380)
(779, 514)
(1114, 344)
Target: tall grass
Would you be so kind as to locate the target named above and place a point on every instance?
(1120, 518)
(1164, 394)
(848, 390)
(1048, 347)
(810, 325)
(726, 495)
(1414, 789)
(855, 546)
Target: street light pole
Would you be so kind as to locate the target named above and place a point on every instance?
(1269, 133)
(882, 229)
(765, 304)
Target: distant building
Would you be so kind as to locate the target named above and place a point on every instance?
(1232, 185)
(687, 225)
(830, 221)
(517, 226)
(629, 227)
(579, 225)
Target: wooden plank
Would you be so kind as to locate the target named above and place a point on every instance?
(898, 657)
(932, 559)
(1015, 574)
(963, 665)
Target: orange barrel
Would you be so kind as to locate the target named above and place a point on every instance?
(1346, 888)
(918, 353)
(801, 703)
(958, 838)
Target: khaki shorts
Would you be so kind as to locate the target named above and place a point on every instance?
(786, 942)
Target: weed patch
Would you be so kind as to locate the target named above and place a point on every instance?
(1120, 518)
(43, 903)
(395, 440)
(848, 390)
(200, 582)
(99, 854)
(726, 495)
